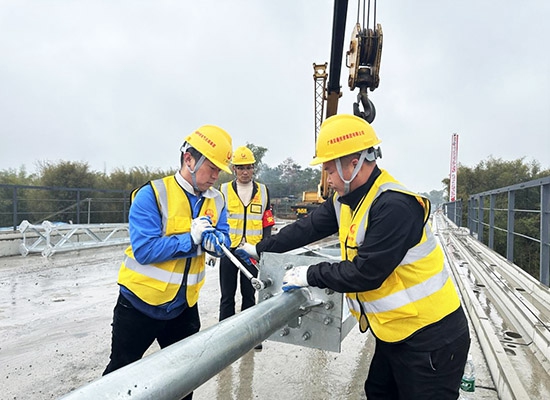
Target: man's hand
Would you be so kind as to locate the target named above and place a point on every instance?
(295, 278)
(198, 227)
(244, 256)
(212, 241)
(250, 249)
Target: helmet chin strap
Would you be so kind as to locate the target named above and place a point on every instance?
(193, 171)
(355, 170)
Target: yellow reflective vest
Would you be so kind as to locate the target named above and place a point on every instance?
(245, 222)
(419, 292)
(158, 283)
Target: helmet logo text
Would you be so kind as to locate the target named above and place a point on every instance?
(203, 137)
(345, 137)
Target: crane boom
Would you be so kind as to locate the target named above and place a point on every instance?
(336, 54)
(363, 60)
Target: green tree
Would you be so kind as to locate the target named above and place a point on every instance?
(259, 153)
(19, 176)
(67, 174)
(122, 179)
(289, 179)
(495, 173)
(61, 205)
(270, 177)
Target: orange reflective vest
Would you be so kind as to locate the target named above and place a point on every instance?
(419, 291)
(158, 283)
(245, 222)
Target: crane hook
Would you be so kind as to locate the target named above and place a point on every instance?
(369, 112)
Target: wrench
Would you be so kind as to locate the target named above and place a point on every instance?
(256, 283)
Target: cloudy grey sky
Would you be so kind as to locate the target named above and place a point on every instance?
(121, 83)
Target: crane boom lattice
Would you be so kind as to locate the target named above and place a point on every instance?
(320, 78)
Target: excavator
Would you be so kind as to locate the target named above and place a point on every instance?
(363, 61)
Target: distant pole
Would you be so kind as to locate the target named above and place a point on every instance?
(454, 161)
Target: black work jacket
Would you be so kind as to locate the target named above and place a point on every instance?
(395, 225)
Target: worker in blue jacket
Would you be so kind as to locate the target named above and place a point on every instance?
(392, 269)
(173, 221)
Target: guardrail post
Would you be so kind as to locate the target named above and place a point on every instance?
(510, 226)
(480, 217)
(545, 234)
(492, 200)
(14, 208)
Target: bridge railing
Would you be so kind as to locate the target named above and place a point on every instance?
(514, 221)
(61, 204)
(48, 238)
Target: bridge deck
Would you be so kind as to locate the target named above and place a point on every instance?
(55, 316)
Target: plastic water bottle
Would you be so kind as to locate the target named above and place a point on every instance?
(468, 383)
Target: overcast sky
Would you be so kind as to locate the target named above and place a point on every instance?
(119, 84)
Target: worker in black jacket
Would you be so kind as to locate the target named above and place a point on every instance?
(392, 269)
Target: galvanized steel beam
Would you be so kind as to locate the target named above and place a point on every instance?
(177, 370)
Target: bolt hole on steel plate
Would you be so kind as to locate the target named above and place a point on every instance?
(513, 335)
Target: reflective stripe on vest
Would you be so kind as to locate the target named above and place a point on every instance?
(162, 275)
(239, 215)
(402, 298)
(158, 283)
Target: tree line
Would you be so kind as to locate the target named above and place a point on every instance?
(286, 179)
(103, 197)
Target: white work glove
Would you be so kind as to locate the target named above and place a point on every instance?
(295, 278)
(250, 249)
(212, 242)
(198, 227)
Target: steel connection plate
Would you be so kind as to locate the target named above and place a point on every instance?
(326, 320)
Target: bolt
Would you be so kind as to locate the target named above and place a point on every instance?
(329, 291)
(289, 266)
(266, 296)
(329, 305)
(285, 331)
(327, 321)
(306, 336)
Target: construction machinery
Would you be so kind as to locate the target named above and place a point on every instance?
(363, 61)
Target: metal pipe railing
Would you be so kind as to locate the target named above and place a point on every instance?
(49, 238)
(510, 214)
(179, 369)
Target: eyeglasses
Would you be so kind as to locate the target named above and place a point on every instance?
(243, 167)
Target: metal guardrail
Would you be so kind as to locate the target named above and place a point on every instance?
(484, 207)
(48, 238)
(179, 369)
(80, 205)
(508, 309)
(309, 317)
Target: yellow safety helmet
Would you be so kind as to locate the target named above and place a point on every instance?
(213, 143)
(341, 135)
(243, 156)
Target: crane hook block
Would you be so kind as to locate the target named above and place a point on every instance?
(364, 56)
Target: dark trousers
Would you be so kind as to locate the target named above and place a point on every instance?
(134, 333)
(228, 288)
(397, 372)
